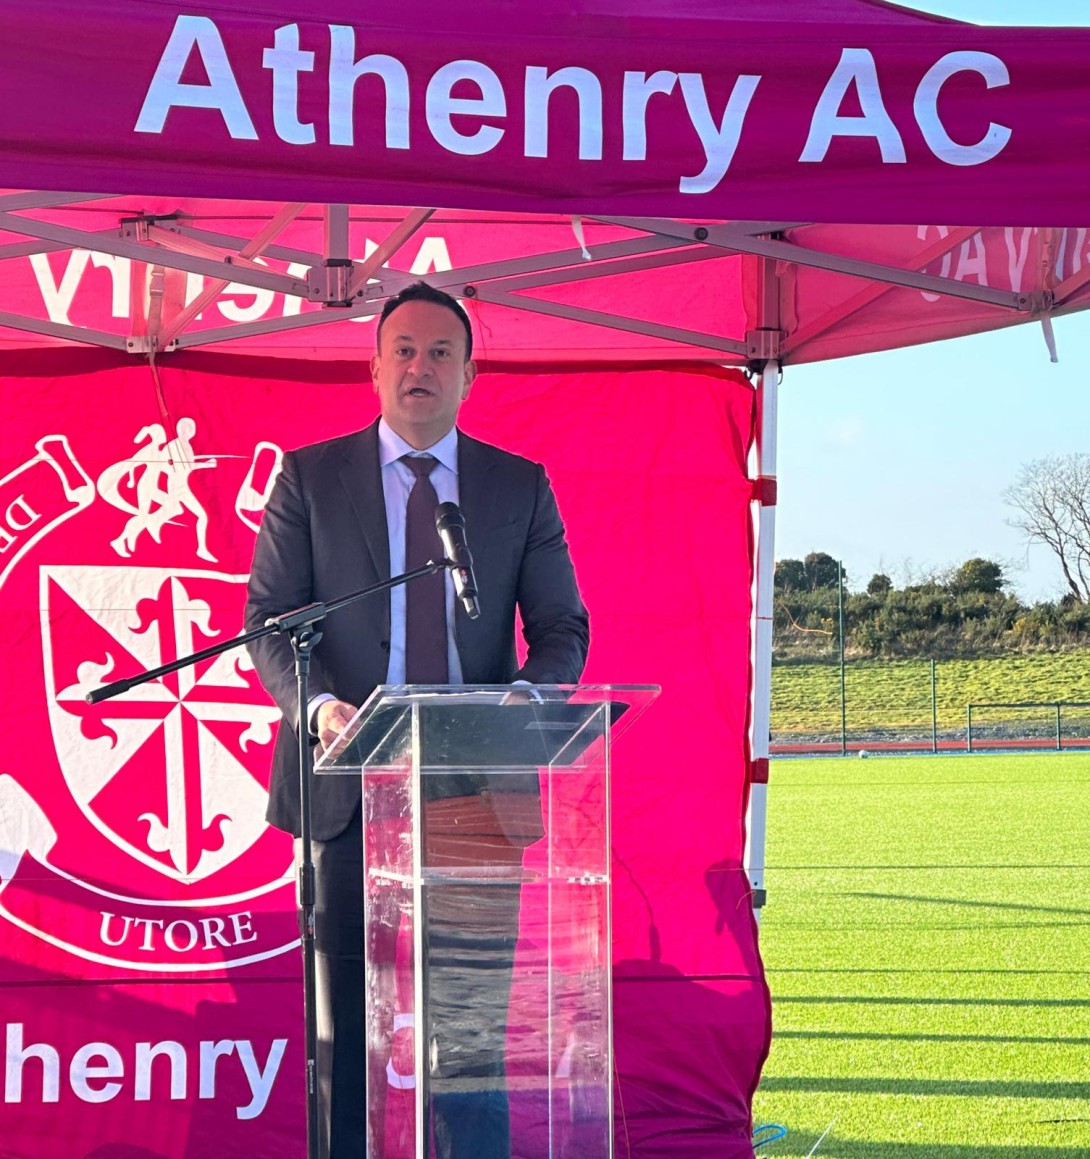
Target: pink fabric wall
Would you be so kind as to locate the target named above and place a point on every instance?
(148, 810)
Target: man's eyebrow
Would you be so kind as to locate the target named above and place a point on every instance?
(437, 342)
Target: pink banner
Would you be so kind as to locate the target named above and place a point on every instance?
(552, 109)
(150, 965)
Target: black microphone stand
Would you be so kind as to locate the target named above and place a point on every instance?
(302, 625)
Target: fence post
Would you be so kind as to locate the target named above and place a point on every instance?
(934, 713)
(969, 730)
(1059, 739)
(843, 696)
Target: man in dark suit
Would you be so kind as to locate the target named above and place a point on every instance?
(337, 520)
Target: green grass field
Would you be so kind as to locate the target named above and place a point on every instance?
(927, 942)
(897, 693)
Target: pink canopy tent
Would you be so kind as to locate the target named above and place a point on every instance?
(629, 203)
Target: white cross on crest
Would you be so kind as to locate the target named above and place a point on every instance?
(168, 771)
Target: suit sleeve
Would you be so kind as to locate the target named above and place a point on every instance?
(281, 578)
(554, 619)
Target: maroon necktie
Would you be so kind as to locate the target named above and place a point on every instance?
(426, 597)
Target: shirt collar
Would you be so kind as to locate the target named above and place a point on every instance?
(393, 447)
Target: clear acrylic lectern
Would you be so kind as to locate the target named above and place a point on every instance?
(486, 916)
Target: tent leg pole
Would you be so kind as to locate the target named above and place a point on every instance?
(760, 715)
(764, 345)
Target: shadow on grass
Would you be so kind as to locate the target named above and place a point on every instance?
(777, 970)
(882, 1036)
(889, 1000)
(962, 1088)
(802, 1141)
(1074, 866)
(964, 901)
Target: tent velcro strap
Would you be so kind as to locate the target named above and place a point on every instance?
(758, 771)
(764, 490)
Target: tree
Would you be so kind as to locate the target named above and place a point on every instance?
(1052, 498)
(790, 576)
(978, 575)
(822, 571)
(879, 584)
(817, 572)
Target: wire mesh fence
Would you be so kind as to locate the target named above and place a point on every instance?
(1035, 701)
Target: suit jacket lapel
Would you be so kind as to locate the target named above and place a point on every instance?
(361, 475)
(476, 492)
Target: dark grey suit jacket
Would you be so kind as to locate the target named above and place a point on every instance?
(324, 534)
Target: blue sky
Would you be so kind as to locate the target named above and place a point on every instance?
(870, 472)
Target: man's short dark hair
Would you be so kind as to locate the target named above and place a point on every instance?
(422, 292)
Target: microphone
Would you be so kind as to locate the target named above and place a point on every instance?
(451, 525)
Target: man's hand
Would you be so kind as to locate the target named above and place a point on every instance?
(333, 718)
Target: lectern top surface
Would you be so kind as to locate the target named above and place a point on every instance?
(499, 728)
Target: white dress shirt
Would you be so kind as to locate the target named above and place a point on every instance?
(397, 482)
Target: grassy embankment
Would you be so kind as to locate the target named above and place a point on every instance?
(897, 693)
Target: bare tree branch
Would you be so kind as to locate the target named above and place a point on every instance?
(1052, 497)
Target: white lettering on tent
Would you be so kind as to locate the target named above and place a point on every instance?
(167, 91)
(120, 281)
(944, 271)
(1064, 267)
(18, 517)
(1078, 250)
(540, 86)
(369, 248)
(855, 67)
(1017, 255)
(1061, 256)
(639, 88)
(345, 70)
(441, 106)
(210, 1054)
(146, 1053)
(259, 1078)
(972, 261)
(926, 108)
(97, 1071)
(293, 304)
(719, 141)
(58, 296)
(432, 257)
(17, 1056)
(286, 62)
(178, 936)
(194, 287)
(81, 1074)
(241, 303)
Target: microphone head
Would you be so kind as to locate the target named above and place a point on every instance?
(448, 515)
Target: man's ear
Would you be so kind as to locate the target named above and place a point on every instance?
(374, 370)
(470, 375)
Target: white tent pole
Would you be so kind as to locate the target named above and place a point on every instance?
(764, 343)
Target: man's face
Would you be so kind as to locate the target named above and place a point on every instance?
(420, 371)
